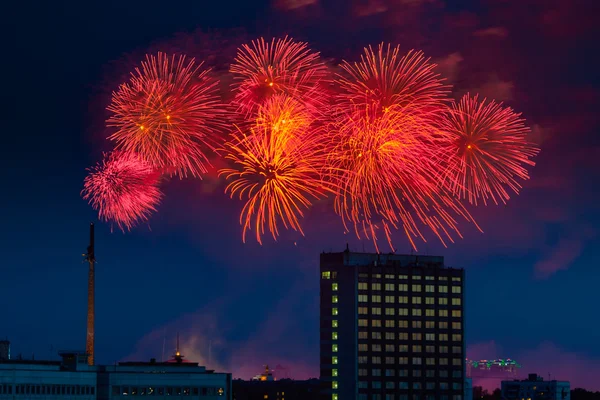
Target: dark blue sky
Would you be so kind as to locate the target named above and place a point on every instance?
(532, 276)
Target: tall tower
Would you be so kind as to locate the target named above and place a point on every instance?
(392, 327)
(90, 257)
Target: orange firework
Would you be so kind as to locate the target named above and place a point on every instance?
(169, 114)
(489, 149)
(276, 167)
(387, 169)
(283, 66)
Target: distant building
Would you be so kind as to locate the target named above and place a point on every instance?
(535, 388)
(4, 350)
(72, 377)
(285, 389)
(265, 376)
(391, 327)
(468, 389)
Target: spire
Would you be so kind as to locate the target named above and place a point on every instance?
(177, 353)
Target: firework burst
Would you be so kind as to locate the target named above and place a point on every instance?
(169, 114)
(123, 189)
(262, 69)
(276, 167)
(384, 79)
(489, 150)
(387, 169)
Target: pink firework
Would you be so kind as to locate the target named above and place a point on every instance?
(123, 188)
(282, 66)
(489, 150)
(169, 113)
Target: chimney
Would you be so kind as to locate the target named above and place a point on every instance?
(90, 257)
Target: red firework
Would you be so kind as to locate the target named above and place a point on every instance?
(123, 188)
(387, 172)
(489, 150)
(169, 113)
(383, 79)
(262, 69)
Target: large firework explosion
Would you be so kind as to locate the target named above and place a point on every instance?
(276, 167)
(388, 143)
(262, 69)
(123, 188)
(489, 150)
(169, 113)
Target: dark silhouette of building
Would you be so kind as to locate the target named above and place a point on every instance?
(4, 350)
(535, 388)
(284, 389)
(391, 327)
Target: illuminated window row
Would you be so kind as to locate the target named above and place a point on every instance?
(375, 298)
(364, 275)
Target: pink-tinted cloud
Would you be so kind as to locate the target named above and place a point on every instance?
(449, 66)
(560, 258)
(497, 32)
(294, 5)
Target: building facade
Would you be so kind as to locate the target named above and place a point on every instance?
(72, 378)
(391, 327)
(535, 388)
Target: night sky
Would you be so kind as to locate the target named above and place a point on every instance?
(532, 276)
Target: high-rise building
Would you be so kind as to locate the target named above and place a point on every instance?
(392, 327)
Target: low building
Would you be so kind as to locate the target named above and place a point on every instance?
(535, 388)
(71, 377)
(284, 389)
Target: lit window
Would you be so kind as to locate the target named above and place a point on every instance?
(416, 288)
(363, 310)
(443, 278)
(363, 286)
(376, 298)
(416, 312)
(403, 311)
(334, 299)
(429, 300)
(363, 298)
(363, 347)
(389, 348)
(416, 300)
(456, 301)
(430, 336)
(443, 349)
(363, 335)
(377, 276)
(416, 348)
(430, 288)
(402, 360)
(402, 324)
(376, 286)
(443, 313)
(390, 335)
(389, 286)
(443, 289)
(417, 336)
(376, 323)
(430, 361)
(403, 287)
(402, 276)
(334, 396)
(429, 324)
(334, 360)
(334, 336)
(443, 337)
(403, 348)
(376, 335)
(403, 299)
(390, 311)
(443, 361)
(443, 301)
(325, 275)
(376, 347)
(417, 324)
(376, 360)
(334, 372)
(389, 323)
(334, 323)
(457, 337)
(334, 384)
(403, 335)
(389, 276)
(456, 279)
(456, 313)
(430, 349)
(363, 359)
(363, 322)
(376, 311)
(334, 286)
(389, 299)
(416, 277)
(362, 372)
(334, 348)
(443, 325)
(430, 312)
(334, 311)
(456, 361)
(456, 325)
(456, 289)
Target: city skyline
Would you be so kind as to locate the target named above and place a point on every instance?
(532, 269)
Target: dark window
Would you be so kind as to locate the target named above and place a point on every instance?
(116, 390)
(195, 391)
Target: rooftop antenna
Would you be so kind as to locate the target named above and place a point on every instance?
(90, 257)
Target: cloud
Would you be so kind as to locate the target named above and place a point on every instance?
(565, 254)
(449, 66)
(289, 5)
(496, 89)
(496, 31)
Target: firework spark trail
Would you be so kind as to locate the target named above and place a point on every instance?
(388, 175)
(282, 66)
(276, 167)
(489, 149)
(123, 188)
(169, 113)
